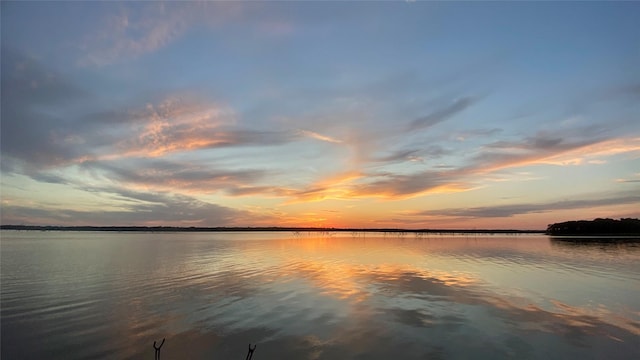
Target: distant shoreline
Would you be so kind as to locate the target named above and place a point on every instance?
(596, 227)
(260, 229)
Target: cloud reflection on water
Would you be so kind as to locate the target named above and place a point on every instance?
(318, 297)
(337, 298)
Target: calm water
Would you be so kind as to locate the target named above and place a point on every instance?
(316, 296)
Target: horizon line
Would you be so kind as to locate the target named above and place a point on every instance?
(162, 228)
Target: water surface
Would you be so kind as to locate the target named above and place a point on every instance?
(82, 295)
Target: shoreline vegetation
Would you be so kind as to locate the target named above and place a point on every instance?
(596, 227)
(259, 229)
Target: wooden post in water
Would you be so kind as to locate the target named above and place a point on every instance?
(251, 350)
(157, 349)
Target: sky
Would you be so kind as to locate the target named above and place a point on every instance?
(501, 115)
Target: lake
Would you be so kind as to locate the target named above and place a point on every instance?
(100, 295)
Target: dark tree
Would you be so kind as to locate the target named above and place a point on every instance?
(624, 226)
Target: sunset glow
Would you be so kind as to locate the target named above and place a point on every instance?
(328, 114)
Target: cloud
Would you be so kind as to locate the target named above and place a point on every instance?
(627, 93)
(34, 126)
(259, 190)
(182, 124)
(116, 145)
(378, 181)
(594, 153)
(442, 114)
(500, 211)
(131, 145)
(543, 141)
(158, 174)
(320, 137)
(131, 30)
(402, 186)
(399, 155)
(542, 148)
(140, 28)
(464, 135)
(26, 80)
(412, 154)
(142, 208)
(329, 187)
(43, 129)
(553, 149)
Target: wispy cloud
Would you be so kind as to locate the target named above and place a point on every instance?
(542, 148)
(134, 29)
(474, 133)
(503, 211)
(398, 155)
(175, 125)
(266, 191)
(559, 152)
(414, 153)
(399, 186)
(143, 208)
(320, 137)
(157, 174)
(441, 114)
(632, 179)
(539, 148)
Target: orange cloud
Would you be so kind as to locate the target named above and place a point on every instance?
(177, 125)
(594, 153)
(321, 137)
(558, 154)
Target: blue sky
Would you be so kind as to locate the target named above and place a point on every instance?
(363, 114)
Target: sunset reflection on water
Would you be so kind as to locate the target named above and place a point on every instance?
(318, 296)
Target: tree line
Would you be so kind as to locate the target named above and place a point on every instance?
(599, 226)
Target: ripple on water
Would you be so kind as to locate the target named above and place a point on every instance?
(333, 297)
